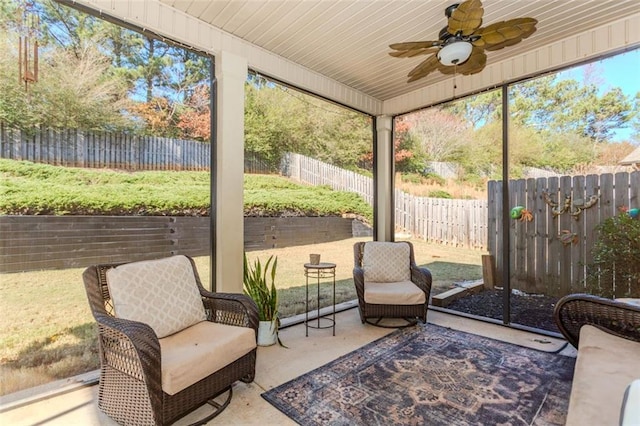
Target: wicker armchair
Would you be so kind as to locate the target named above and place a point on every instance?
(417, 283)
(613, 316)
(131, 387)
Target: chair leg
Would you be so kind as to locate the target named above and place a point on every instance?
(219, 407)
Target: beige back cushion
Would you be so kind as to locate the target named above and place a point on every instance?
(161, 293)
(386, 262)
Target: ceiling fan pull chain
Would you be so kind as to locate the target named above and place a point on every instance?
(455, 86)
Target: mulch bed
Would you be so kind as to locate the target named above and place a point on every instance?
(531, 310)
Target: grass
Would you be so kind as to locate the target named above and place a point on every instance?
(47, 331)
(429, 188)
(156, 193)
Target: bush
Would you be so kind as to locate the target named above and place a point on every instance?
(615, 270)
(439, 194)
(41, 189)
(414, 178)
(434, 178)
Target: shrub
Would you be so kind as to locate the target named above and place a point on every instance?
(414, 178)
(439, 194)
(434, 178)
(615, 270)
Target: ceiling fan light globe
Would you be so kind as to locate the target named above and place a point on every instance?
(455, 53)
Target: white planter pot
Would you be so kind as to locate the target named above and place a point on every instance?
(267, 333)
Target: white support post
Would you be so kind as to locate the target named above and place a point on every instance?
(231, 74)
(384, 186)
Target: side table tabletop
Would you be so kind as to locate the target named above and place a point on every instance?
(318, 272)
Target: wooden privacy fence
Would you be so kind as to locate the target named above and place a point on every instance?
(75, 148)
(461, 223)
(541, 262)
(314, 172)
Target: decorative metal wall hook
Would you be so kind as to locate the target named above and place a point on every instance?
(569, 205)
(578, 205)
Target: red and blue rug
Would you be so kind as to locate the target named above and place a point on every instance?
(431, 375)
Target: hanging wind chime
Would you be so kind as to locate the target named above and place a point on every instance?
(29, 28)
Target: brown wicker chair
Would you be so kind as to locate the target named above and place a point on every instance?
(420, 277)
(130, 389)
(612, 316)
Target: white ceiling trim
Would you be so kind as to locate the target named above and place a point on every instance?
(613, 37)
(176, 25)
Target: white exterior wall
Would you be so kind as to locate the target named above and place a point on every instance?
(616, 36)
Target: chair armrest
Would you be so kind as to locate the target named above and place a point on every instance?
(358, 279)
(614, 317)
(231, 309)
(422, 278)
(132, 348)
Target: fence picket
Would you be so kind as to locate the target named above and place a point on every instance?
(578, 248)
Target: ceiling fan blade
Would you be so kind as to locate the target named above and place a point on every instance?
(504, 44)
(424, 68)
(503, 31)
(466, 18)
(412, 45)
(476, 63)
(414, 52)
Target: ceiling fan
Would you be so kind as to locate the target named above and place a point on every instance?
(461, 45)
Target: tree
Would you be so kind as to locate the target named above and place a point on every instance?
(279, 120)
(479, 109)
(439, 133)
(73, 91)
(561, 106)
(143, 84)
(635, 122)
(195, 121)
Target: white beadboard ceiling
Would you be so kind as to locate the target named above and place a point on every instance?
(347, 40)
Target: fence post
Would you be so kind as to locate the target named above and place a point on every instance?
(17, 145)
(81, 149)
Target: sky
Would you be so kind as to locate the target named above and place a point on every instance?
(618, 71)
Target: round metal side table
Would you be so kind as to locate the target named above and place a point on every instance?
(321, 271)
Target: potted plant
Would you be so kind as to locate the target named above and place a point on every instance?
(256, 286)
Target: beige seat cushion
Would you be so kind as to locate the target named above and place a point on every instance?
(629, 300)
(605, 366)
(630, 413)
(399, 293)
(200, 350)
(161, 293)
(386, 262)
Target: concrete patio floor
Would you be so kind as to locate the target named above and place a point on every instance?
(275, 365)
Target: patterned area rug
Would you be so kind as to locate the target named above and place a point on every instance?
(431, 375)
